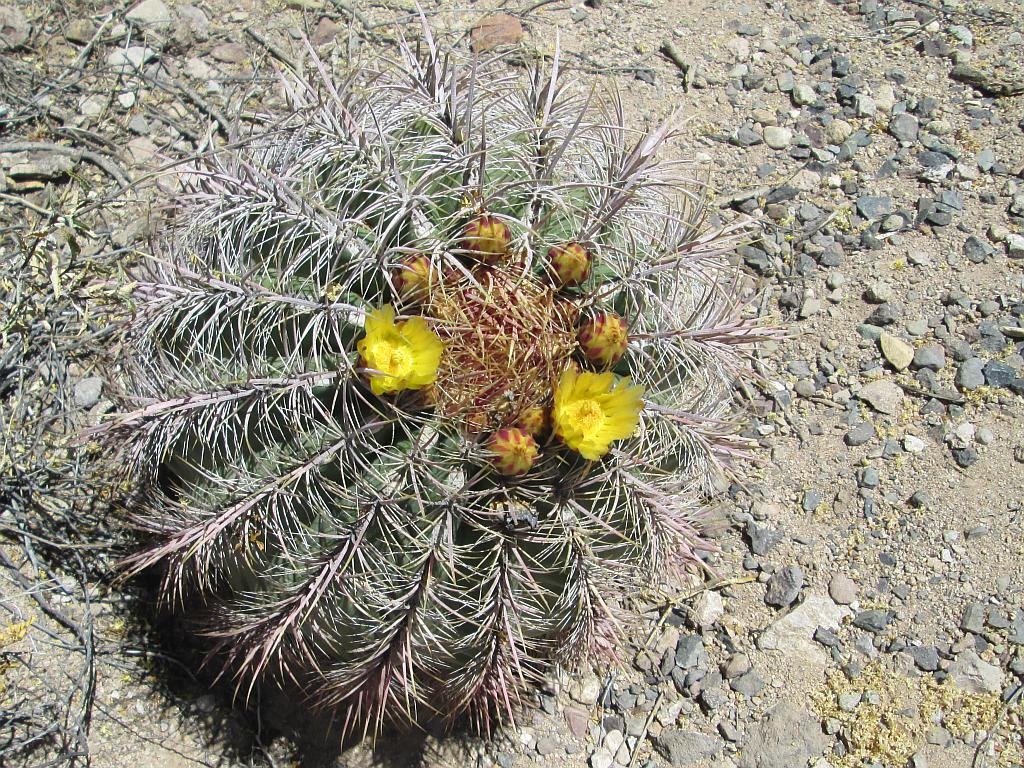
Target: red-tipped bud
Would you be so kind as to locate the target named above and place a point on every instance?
(569, 264)
(603, 338)
(514, 451)
(533, 421)
(487, 239)
(414, 278)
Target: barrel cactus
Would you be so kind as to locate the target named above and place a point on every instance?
(421, 382)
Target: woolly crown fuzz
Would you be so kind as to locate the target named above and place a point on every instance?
(403, 440)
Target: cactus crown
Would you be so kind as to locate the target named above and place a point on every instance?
(381, 464)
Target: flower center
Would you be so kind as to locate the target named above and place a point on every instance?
(586, 416)
(394, 359)
(507, 339)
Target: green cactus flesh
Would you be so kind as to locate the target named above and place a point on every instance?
(363, 546)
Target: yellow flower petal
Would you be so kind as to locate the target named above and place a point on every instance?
(593, 409)
(400, 355)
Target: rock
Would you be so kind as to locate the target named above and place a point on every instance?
(578, 721)
(149, 13)
(904, 128)
(41, 167)
(970, 375)
(874, 206)
(973, 618)
(882, 395)
(749, 684)
(14, 28)
(990, 83)
(926, 657)
(326, 31)
(762, 538)
(973, 675)
(708, 609)
(860, 434)
(930, 356)
(864, 105)
(803, 94)
(1015, 246)
(125, 60)
(965, 457)
(789, 737)
(601, 758)
(690, 652)
(998, 374)
(495, 31)
(898, 352)
(87, 392)
(874, 621)
(838, 131)
(842, 589)
(746, 136)
(784, 586)
(682, 748)
(976, 250)
(777, 137)
(80, 31)
(913, 444)
(793, 633)
(229, 53)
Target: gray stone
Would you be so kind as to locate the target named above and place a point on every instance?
(904, 128)
(926, 657)
(970, 375)
(87, 392)
(784, 586)
(998, 374)
(803, 94)
(930, 356)
(883, 314)
(789, 737)
(842, 589)
(874, 621)
(777, 137)
(1015, 246)
(793, 633)
(746, 137)
(985, 159)
(965, 457)
(149, 13)
(749, 684)
(14, 28)
(973, 619)
(976, 250)
(874, 206)
(683, 748)
(762, 538)
(973, 675)
(690, 652)
(860, 434)
(882, 395)
(864, 105)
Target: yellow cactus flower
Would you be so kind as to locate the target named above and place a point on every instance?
(401, 355)
(593, 409)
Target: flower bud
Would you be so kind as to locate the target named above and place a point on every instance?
(603, 338)
(569, 264)
(487, 239)
(414, 278)
(514, 451)
(533, 421)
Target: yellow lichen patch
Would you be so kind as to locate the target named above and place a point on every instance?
(15, 632)
(895, 713)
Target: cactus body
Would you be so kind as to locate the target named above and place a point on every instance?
(342, 370)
